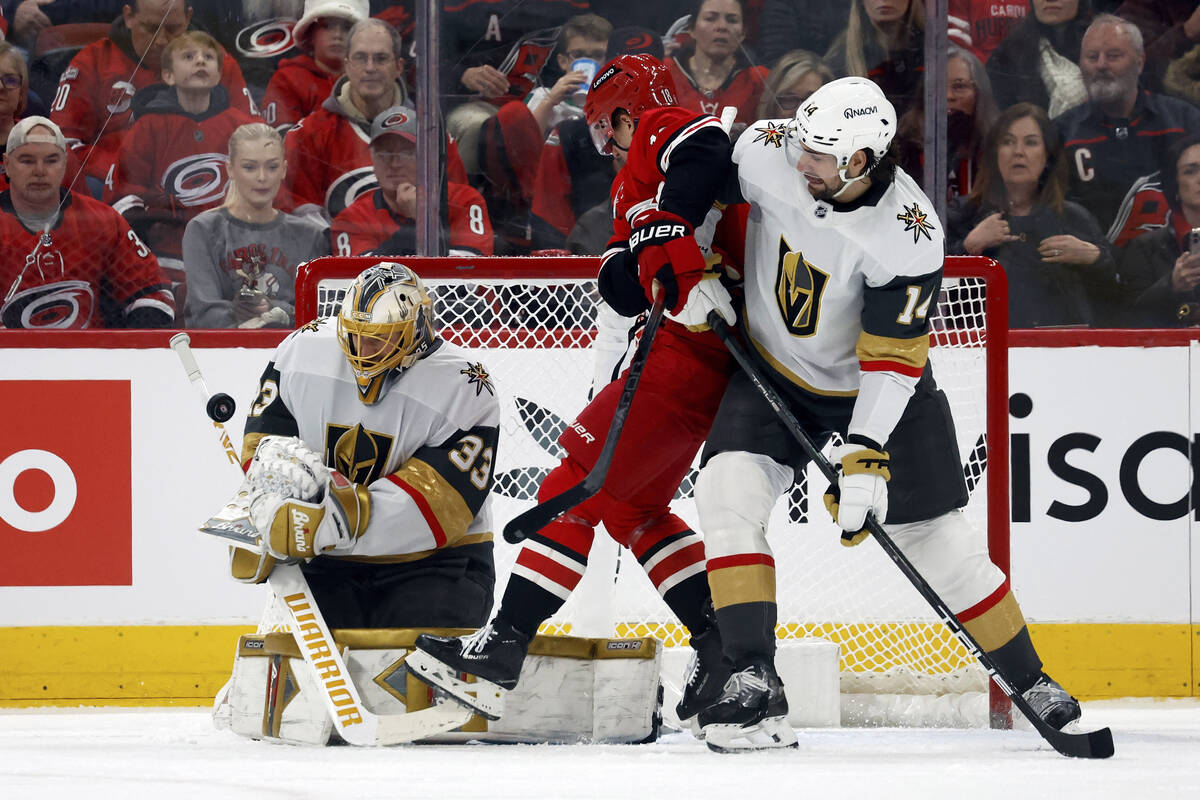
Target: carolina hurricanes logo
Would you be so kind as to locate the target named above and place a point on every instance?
(266, 39)
(196, 180)
(637, 43)
(119, 97)
(348, 188)
(394, 120)
(66, 304)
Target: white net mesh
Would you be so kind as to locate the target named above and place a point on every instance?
(534, 335)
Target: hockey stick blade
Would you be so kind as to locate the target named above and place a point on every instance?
(1093, 744)
(529, 522)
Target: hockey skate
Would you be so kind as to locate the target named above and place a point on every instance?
(750, 713)
(475, 670)
(704, 679)
(1052, 702)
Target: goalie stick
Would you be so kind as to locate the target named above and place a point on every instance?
(1090, 744)
(351, 719)
(527, 523)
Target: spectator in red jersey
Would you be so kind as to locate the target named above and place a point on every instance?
(241, 258)
(1170, 29)
(66, 260)
(383, 221)
(301, 84)
(712, 71)
(172, 162)
(1038, 62)
(794, 77)
(92, 105)
(884, 40)
(980, 25)
(329, 166)
(583, 41)
(1060, 268)
(1160, 272)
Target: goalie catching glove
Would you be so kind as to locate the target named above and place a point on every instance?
(861, 487)
(666, 251)
(300, 507)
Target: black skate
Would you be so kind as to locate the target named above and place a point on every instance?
(750, 713)
(705, 676)
(1052, 702)
(472, 669)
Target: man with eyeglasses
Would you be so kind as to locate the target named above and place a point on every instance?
(382, 222)
(329, 165)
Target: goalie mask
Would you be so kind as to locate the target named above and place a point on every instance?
(385, 325)
(841, 118)
(633, 83)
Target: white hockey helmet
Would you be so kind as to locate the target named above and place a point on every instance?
(841, 118)
(385, 324)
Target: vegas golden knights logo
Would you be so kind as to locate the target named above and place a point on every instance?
(359, 454)
(798, 289)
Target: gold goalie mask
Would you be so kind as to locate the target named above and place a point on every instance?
(385, 325)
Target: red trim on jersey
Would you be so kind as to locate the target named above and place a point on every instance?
(439, 535)
(740, 560)
(549, 568)
(677, 562)
(891, 366)
(986, 604)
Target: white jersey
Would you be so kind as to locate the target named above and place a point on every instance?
(425, 449)
(837, 292)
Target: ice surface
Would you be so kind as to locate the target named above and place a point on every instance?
(175, 754)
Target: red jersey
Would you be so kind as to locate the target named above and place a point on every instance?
(979, 25)
(296, 89)
(89, 271)
(329, 160)
(742, 89)
(174, 162)
(96, 90)
(369, 226)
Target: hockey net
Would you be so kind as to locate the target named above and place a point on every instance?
(533, 323)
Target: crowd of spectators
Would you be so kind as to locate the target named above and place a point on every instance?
(230, 142)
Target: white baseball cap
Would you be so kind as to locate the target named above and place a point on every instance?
(20, 134)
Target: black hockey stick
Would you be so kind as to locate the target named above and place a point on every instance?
(1093, 744)
(526, 524)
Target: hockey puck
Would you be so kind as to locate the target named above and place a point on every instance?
(220, 407)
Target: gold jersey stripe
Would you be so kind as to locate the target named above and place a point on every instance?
(752, 583)
(998, 625)
(404, 558)
(250, 444)
(444, 501)
(793, 377)
(911, 352)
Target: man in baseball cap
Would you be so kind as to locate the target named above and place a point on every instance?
(36, 175)
(382, 222)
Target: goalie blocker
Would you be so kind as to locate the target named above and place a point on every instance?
(572, 689)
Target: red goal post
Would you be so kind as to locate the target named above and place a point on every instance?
(532, 321)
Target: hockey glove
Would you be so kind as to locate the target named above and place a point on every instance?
(707, 295)
(292, 528)
(861, 487)
(666, 251)
(284, 465)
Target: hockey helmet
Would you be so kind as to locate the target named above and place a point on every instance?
(385, 324)
(841, 118)
(634, 83)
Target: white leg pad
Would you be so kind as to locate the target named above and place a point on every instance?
(951, 556)
(735, 493)
(572, 689)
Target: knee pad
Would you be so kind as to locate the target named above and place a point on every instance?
(734, 497)
(951, 556)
